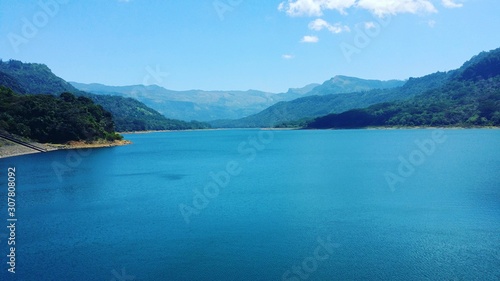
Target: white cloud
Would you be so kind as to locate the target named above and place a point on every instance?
(431, 23)
(451, 4)
(314, 7)
(377, 7)
(320, 24)
(309, 39)
(288, 56)
(391, 7)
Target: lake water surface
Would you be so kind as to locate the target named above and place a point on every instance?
(261, 205)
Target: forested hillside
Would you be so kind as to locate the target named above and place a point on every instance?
(470, 98)
(54, 119)
(128, 114)
(33, 78)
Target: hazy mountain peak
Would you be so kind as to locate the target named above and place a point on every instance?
(307, 88)
(341, 84)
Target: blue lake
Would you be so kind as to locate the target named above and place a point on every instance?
(261, 205)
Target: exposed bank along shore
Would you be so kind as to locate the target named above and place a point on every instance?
(9, 149)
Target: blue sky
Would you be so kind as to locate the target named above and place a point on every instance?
(244, 44)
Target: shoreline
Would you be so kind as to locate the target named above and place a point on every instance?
(305, 129)
(83, 145)
(171, 131)
(198, 130)
(406, 128)
(9, 149)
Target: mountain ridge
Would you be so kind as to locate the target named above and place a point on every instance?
(218, 104)
(318, 105)
(469, 98)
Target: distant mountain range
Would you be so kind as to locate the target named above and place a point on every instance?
(323, 103)
(189, 105)
(468, 96)
(212, 105)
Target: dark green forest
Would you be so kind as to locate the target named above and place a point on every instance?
(458, 104)
(54, 119)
